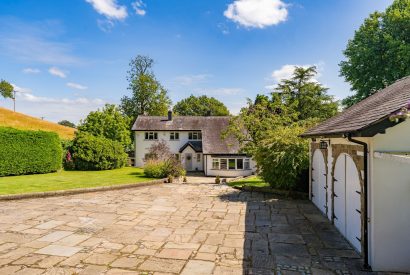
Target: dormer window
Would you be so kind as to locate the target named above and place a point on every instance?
(195, 136)
(174, 136)
(151, 136)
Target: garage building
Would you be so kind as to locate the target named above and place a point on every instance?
(360, 176)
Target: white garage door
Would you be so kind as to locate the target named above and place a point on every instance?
(347, 200)
(319, 191)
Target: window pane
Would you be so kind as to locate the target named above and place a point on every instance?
(146, 135)
(155, 136)
(247, 164)
(224, 164)
(177, 136)
(239, 164)
(232, 164)
(171, 136)
(198, 157)
(215, 163)
(190, 136)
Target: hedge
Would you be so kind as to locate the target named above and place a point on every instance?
(29, 152)
(97, 153)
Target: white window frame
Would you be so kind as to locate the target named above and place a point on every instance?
(198, 157)
(197, 135)
(174, 136)
(216, 162)
(151, 135)
(220, 162)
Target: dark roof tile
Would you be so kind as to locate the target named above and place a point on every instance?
(211, 127)
(367, 112)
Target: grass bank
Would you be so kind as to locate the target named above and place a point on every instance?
(66, 180)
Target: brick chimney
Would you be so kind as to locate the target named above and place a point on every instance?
(169, 115)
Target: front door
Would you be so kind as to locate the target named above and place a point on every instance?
(188, 161)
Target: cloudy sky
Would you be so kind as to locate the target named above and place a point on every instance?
(69, 57)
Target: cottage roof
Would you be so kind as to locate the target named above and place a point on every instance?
(211, 127)
(368, 117)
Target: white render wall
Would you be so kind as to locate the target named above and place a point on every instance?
(390, 202)
(142, 145)
(228, 173)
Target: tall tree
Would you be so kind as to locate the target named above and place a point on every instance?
(268, 128)
(108, 123)
(307, 98)
(379, 52)
(200, 106)
(148, 97)
(6, 89)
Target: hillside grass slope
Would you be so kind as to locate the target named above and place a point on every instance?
(17, 120)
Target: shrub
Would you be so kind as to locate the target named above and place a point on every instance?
(163, 168)
(29, 152)
(97, 153)
(283, 157)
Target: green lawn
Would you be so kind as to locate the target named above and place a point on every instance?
(64, 180)
(253, 181)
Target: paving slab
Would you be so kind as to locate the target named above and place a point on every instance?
(193, 228)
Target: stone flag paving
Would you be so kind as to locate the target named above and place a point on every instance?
(170, 229)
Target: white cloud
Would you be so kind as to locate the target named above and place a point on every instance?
(109, 8)
(36, 49)
(286, 72)
(31, 71)
(35, 42)
(139, 7)
(257, 13)
(76, 86)
(57, 72)
(21, 89)
(188, 80)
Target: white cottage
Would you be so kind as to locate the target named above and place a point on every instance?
(360, 176)
(196, 141)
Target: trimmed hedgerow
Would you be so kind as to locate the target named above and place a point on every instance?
(28, 152)
(97, 153)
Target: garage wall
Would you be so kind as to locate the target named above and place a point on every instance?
(390, 199)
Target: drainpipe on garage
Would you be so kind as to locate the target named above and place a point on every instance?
(365, 180)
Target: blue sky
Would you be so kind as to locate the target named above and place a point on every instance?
(69, 57)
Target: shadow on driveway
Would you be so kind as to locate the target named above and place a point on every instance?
(291, 237)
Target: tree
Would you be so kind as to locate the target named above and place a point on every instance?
(6, 89)
(307, 98)
(200, 106)
(148, 97)
(269, 128)
(379, 53)
(67, 123)
(108, 123)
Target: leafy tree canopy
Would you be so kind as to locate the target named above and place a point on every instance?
(200, 106)
(67, 123)
(148, 96)
(6, 89)
(268, 128)
(108, 123)
(379, 53)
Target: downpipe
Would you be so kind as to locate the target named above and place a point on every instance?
(366, 265)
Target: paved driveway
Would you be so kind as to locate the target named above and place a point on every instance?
(171, 228)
